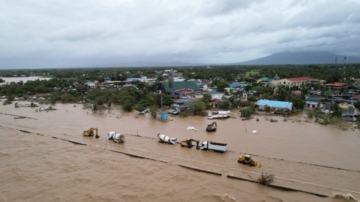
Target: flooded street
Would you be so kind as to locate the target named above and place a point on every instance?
(39, 166)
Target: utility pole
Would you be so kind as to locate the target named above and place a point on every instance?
(344, 67)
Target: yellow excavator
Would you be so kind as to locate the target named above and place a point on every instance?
(189, 143)
(91, 132)
(247, 160)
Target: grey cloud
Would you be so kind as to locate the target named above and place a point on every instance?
(93, 32)
(224, 7)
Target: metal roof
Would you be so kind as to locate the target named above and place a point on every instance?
(275, 104)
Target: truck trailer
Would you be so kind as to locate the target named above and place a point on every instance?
(214, 146)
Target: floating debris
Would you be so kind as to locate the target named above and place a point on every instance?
(266, 179)
(192, 128)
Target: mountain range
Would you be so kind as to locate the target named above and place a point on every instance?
(284, 58)
(301, 58)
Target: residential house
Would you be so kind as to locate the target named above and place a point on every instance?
(337, 85)
(312, 102)
(182, 88)
(216, 95)
(348, 111)
(90, 84)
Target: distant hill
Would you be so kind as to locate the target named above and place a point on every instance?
(301, 58)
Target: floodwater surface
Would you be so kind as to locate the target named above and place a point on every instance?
(38, 163)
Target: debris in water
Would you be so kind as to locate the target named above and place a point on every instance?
(191, 128)
(254, 131)
(348, 197)
(266, 179)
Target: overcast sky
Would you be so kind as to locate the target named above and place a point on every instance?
(71, 33)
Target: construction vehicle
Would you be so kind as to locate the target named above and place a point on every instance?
(214, 146)
(189, 143)
(247, 160)
(116, 137)
(167, 139)
(91, 132)
(211, 127)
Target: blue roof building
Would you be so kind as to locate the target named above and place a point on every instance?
(238, 85)
(106, 78)
(275, 104)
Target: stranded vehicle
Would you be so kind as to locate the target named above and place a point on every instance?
(211, 127)
(91, 132)
(116, 137)
(189, 143)
(214, 146)
(247, 160)
(167, 139)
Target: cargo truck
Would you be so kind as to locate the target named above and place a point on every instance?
(214, 146)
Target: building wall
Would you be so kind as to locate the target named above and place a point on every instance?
(217, 96)
(311, 104)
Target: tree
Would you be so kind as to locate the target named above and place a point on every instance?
(206, 99)
(127, 106)
(234, 101)
(221, 85)
(224, 103)
(140, 85)
(282, 94)
(9, 100)
(251, 98)
(197, 106)
(297, 103)
(153, 111)
(336, 110)
(247, 112)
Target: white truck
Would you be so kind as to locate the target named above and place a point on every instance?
(214, 146)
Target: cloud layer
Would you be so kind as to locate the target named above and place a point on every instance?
(40, 34)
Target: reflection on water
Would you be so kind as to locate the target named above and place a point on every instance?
(294, 150)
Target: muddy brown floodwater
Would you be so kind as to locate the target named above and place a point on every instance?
(37, 165)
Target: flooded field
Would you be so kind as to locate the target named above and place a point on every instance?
(38, 163)
(24, 79)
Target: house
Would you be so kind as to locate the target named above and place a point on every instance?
(312, 102)
(297, 81)
(273, 104)
(336, 85)
(265, 80)
(90, 84)
(348, 111)
(182, 88)
(239, 85)
(216, 95)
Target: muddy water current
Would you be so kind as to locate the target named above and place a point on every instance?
(40, 162)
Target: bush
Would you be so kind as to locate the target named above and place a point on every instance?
(273, 120)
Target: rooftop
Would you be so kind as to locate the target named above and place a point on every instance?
(336, 84)
(299, 79)
(274, 103)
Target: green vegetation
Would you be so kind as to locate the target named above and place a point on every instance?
(252, 73)
(68, 86)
